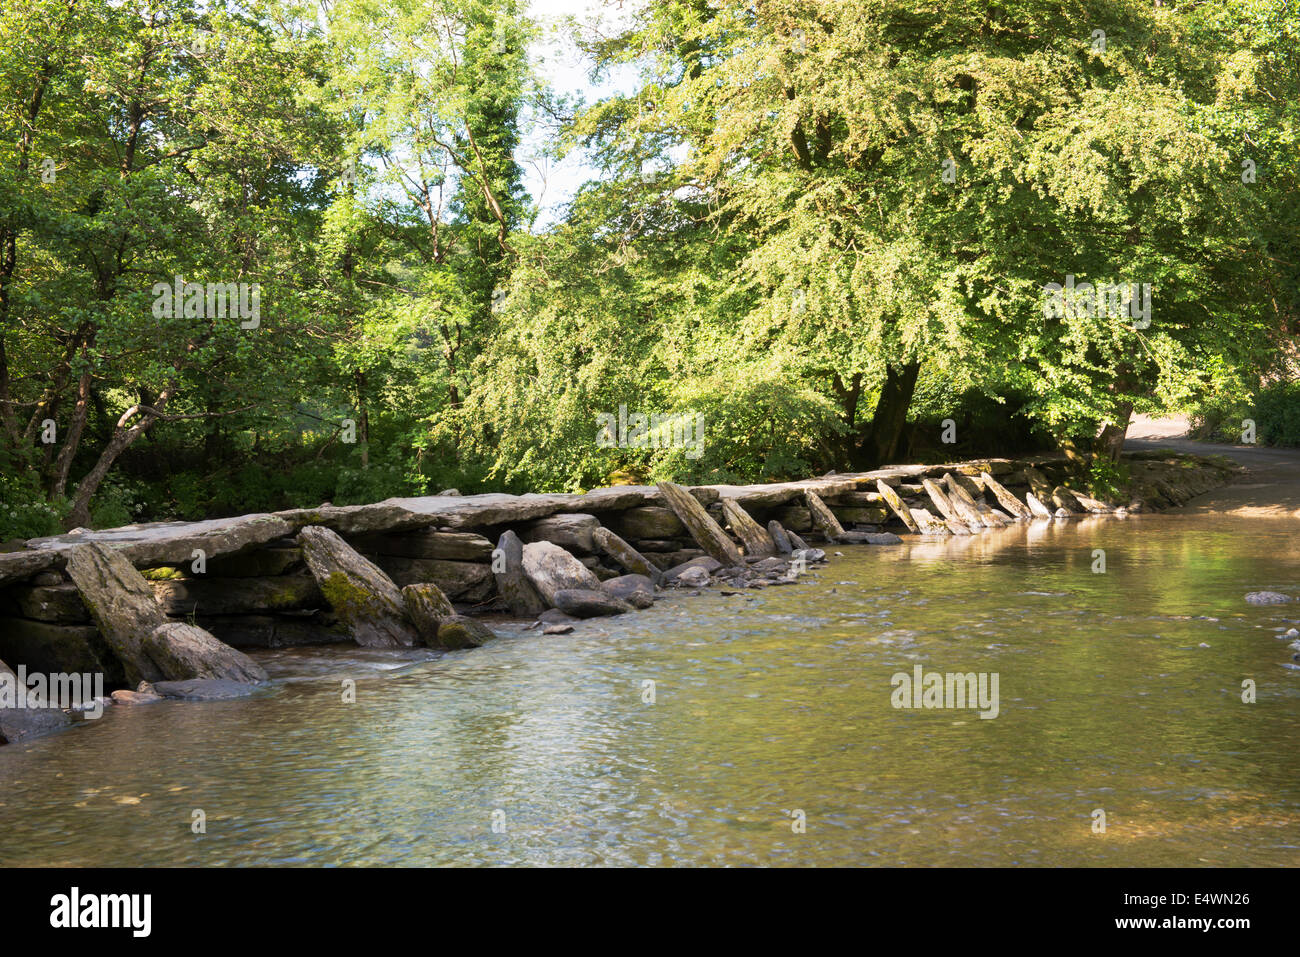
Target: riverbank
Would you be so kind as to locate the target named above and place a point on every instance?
(1269, 488)
(152, 606)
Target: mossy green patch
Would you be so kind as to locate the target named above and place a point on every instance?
(161, 574)
(345, 596)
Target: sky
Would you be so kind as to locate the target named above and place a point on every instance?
(553, 184)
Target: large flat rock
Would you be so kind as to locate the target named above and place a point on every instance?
(21, 565)
(172, 543)
(471, 511)
(616, 498)
(216, 596)
(383, 516)
(425, 543)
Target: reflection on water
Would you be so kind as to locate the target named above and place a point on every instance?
(1119, 691)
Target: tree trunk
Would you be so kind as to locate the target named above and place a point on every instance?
(884, 442)
(122, 439)
(1111, 441)
(363, 419)
(848, 394)
(72, 440)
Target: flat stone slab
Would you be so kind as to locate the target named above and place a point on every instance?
(171, 543)
(425, 543)
(215, 596)
(470, 511)
(616, 498)
(356, 519)
(21, 565)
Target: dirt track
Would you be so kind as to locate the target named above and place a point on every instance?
(1270, 489)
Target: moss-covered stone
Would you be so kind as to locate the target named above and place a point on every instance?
(366, 601)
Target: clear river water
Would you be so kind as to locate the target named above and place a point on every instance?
(768, 737)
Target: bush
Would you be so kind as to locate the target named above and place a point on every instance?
(24, 512)
(118, 501)
(1275, 410)
(1277, 414)
(1219, 419)
(1107, 480)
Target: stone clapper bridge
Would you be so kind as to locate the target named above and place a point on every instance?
(171, 604)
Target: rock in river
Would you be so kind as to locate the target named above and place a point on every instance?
(364, 598)
(17, 724)
(203, 689)
(589, 603)
(182, 651)
(553, 616)
(460, 631)
(551, 569)
(122, 604)
(624, 554)
(512, 583)
(1267, 598)
(637, 590)
(427, 607)
(708, 564)
(779, 537)
(693, 577)
(136, 697)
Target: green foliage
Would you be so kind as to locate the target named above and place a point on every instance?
(1108, 481)
(1275, 410)
(24, 512)
(795, 204)
(119, 501)
(1277, 414)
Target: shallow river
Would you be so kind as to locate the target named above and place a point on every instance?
(771, 737)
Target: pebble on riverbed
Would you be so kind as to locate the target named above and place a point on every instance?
(1266, 598)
